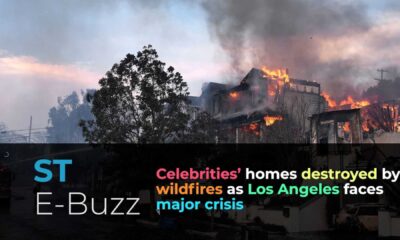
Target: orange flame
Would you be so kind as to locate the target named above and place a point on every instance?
(279, 77)
(346, 127)
(354, 104)
(270, 120)
(365, 126)
(331, 102)
(272, 90)
(234, 95)
(348, 101)
(278, 74)
(253, 126)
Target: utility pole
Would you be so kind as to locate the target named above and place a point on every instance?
(30, 130)
(381, 71)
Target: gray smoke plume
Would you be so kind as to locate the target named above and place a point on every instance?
(283, 33)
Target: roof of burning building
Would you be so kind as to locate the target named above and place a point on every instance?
(256, 73)
(253, 73)
(240, 87)
(212, 88)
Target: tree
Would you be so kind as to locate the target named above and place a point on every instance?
(384, 90)
(382, 116)
(294, 126)
(66, 116)
(140, 101)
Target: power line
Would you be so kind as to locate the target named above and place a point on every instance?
(381, 71)
(22, 130)
(35, 136)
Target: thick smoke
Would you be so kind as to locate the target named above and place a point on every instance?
(289, 33)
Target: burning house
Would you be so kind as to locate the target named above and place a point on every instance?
(382, 115)
(263, 99)
(342, 126)
(352, 121)
(268, 106)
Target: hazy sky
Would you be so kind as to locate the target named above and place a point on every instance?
(48, 48)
